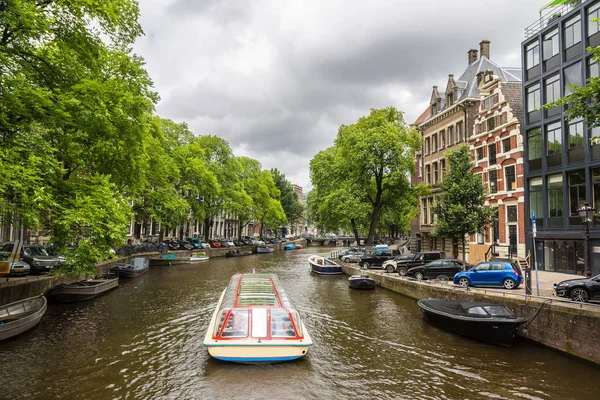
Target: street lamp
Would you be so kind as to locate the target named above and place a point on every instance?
(586, 212)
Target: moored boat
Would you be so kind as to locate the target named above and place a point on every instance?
(138, 267)
(264, 249)
(199, 256)
(20, 316)
(289, 246)
(298, 246)
(361, 282)
(324, 266)
(237, 253)
(82, 290)
(168, 259)
(487, 322)
(255, 322)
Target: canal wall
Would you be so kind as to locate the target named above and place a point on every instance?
(569, 328)
(15, 289)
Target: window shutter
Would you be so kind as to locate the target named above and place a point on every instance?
(496, 98)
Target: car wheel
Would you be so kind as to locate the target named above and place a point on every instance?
(419, 276)
(347, 260)
(464, 282)
(402, 271)
(580, 295)
(509, 283)
(389, 268)
(365, 265)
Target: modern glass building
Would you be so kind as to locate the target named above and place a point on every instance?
(562, 157)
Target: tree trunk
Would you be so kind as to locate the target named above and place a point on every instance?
(463, 248)
(240, 229)
(373, 224)
(207, 224)
(355, 231)
(260, 232)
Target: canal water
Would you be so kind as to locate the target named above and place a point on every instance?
(144, 341)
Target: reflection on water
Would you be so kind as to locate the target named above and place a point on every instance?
(144, 341)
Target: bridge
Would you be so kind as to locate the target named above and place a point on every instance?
(334, 240)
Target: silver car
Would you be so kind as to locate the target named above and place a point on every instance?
(352, 257)
(18, 267)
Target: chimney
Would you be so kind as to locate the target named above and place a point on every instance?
(484, 48)
(472, 56)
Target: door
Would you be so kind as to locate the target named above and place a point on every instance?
(433, 269)
(512, 239)
(478, 277)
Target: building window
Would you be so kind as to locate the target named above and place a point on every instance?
(555, 196)
(433, 109)
(536, 199)
(573, 77)
(552, 89)
(492, 154)
(554, 138)
(493, 178)
(435, 173)
(427, 146)
(511, 214)
(532, 51)
(575, 134)
(491, 100)
(534, 144)
(491, 124)
(577, 191)
(506, 145)
(443, 168)
(459, 132)
(593, 13)
(428, 174)
(510, 178)
(425, 213)
(479, 151)
(434, 143)
(442, 139)
(593, 70)
(550, 44)
(572, 31)
(450, 135)
(534, 98)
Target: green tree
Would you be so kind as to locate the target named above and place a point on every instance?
(372, 160)
(459, 204)
(288, 198)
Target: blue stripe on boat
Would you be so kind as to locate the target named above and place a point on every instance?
(255, 360)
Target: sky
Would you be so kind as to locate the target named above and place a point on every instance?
(276, 78)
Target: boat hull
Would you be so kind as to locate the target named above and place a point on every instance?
(264, 250)
(82, 290)
(323, 266)
(361, 282)
(33, 308)
(198, 259)
(129, 273)
(157, 261)
(496, 331)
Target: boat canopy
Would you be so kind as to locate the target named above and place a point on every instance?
(256, 305)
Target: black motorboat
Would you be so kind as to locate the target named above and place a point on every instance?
(487, 322)
(361, 282)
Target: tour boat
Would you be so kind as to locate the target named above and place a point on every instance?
(324, 266)
(487, 322)
(361, 282)
(255, 322)
(199, 256)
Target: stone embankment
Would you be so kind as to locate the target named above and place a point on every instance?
(565, 326)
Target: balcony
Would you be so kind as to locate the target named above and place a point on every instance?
(548, 15)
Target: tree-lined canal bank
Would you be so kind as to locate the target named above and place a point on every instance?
(144, 340)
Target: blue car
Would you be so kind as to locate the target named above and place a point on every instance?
(491, 273)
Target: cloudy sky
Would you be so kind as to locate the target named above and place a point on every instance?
(276, 78)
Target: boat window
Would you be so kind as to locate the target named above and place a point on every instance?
(477, 311)
(281, 324)
(259, 322)
(222, 315)
(296, 319)
(237, 324)
(498, 311)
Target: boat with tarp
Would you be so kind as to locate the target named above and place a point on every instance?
(168, 259)
(324, 266)
(255, 322)
(487, 322)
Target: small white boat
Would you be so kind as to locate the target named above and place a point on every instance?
(264, 249)
(199, 256)
(255, 322)
(324, 266)
(20, 316)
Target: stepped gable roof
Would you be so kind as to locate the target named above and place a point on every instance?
(514, 95)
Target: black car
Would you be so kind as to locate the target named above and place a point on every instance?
(417, 260)
(375, 260)
(579, 289)
(438, 268)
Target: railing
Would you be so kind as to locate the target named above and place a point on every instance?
(549, 15)
(491, 251)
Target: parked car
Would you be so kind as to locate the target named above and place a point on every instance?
(353, 257)
(18, 267)
(184, 245)
(257, 242)
(351, 250)
(230, 242)
(438, 268)
(195, 242)
(417, 260)
(491, 273)
(391, 265)
(205, 244)
(214, 243)
(376, 259)
(36, 256)
(582, 289)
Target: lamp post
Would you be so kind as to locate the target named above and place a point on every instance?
(586, 212)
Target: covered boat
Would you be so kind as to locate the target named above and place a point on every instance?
(289, 246)
(264, 249)
(168, 259)
(298, 246)
(324, 266)
(361, 282)
(138, 267)
(255, 322)
(82, 290)
(198, 256)
(237, 253)
(487, 322)
(20, 316)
